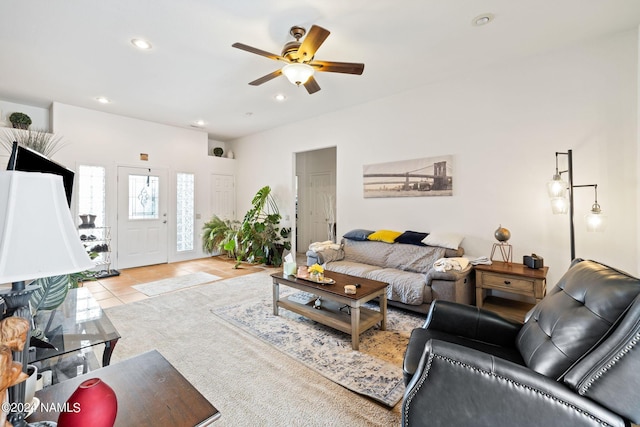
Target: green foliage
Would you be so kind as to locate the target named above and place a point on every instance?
(263, 240)
(20, 120)
(220, 234)
(51, 292)
(257, 239)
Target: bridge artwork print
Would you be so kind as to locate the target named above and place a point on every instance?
(430, 176)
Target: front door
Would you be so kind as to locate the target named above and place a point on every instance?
(142, 217)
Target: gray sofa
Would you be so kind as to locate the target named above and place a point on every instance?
(408, 269)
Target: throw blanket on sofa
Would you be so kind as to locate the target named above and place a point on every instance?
(446, 264)
(403, 266)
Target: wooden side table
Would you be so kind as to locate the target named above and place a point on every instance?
(150, 392)
(510, 278)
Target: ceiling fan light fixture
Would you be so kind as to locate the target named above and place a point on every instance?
(297, 73)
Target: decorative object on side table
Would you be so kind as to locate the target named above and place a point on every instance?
(506, 250)
(13, 335)
(316, 273)
(93, 404)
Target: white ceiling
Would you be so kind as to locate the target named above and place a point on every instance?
(73, 51)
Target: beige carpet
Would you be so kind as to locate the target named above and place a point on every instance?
(248, 381)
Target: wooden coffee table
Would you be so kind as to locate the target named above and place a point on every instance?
(150, 392)
(339, 310)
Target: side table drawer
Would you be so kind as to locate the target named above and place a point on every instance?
(507, 283)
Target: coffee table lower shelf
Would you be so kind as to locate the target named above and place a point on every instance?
(353, 319)
(330, 314)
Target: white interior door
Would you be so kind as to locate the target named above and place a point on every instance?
(142, 217)
(320, 185)
(223, 196)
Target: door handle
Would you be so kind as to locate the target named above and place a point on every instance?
(164, 222)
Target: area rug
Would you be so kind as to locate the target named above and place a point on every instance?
(175, 283)
(374, 371)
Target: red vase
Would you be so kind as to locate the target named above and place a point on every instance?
(93, 404)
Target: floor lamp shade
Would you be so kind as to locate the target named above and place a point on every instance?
(37, 235)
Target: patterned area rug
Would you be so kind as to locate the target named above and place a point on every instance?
(175, 283)
(374, 371)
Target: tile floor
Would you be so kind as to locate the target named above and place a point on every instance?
(117, 290)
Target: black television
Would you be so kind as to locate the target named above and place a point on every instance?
(27, 160)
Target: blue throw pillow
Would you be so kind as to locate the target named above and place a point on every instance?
(358, 234)
(412, 238)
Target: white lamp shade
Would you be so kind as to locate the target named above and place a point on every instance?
(560, 205)
(596, 221)
(297, 73)
(557, 187)
(37, 234)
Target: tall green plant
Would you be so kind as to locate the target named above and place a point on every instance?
(263, 240)
(257, 239)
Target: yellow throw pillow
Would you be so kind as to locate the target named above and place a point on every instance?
(387, 236)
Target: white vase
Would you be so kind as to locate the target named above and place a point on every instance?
(30, 384)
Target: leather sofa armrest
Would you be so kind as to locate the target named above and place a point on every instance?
(471, 322)
(455, 385)
(603, 374)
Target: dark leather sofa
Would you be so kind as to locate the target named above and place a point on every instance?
(574, 362)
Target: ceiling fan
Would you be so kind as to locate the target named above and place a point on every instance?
(299, 58)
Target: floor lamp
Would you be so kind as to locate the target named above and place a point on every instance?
(561, 202)
(37, 239)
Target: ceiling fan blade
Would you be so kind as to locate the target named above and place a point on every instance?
(312, 41)
(338, 67)
(259, 51)
(312, 85)
(266, 78)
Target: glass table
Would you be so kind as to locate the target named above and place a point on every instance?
(75, 328)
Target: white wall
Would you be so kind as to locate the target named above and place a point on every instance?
(503, 127)
(109, 140)
(39, 116)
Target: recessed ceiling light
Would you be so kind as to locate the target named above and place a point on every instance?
(103, 100)
(280, 97)
(199, 123)
(141, 44)
(483, 19)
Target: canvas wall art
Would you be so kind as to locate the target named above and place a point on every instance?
(425, 177)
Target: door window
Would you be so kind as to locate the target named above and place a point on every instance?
(143, 197)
